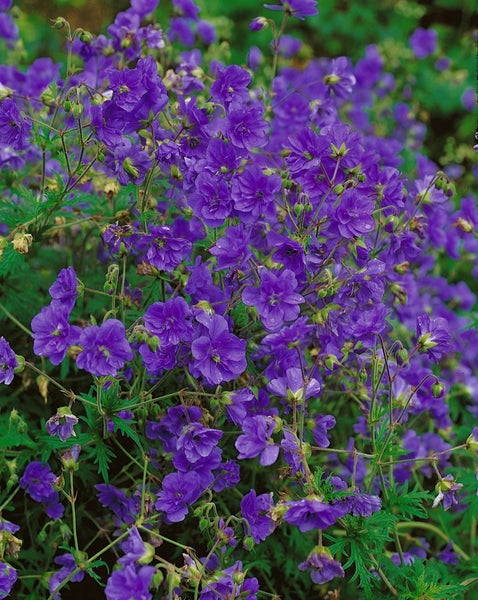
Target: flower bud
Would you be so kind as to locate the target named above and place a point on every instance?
(258, 23)
(69, 458)
(86, 37)
(77, 110)
(438, 389)
(59, 23)
(472, 441)
(338, 189)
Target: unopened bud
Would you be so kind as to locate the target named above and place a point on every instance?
(338, 189)
(86, 37)
(77, 110)
(438, 389)
(59, 23)
(472, 441)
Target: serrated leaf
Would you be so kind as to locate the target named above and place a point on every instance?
(102, 456)
(13, 439)
(125, 427)
(11, 261)
(408, 504)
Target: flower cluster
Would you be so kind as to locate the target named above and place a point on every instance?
(264, 348)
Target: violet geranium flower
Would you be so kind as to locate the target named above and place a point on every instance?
(310, 513)
(65, 289)
(62, 424)
(255, 509)
(52, 333)
(323, 567)
(8, 577)
(218, 355)
(423, 42)
(8, 362)
(433, 336)
(257, 440)
(179, 491)
(37, 481)
(105, 348)
(296, 8)
(130, 582)
(447, 489)
(275, 299)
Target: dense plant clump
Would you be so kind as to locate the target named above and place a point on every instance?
(236, 365)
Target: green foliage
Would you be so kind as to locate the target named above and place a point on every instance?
(408, 504)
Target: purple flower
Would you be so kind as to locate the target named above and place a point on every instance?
(8, 577)
(65, 289)
(363, 505)
(231, 86)
(179, 491)
(52, 334)
(246, 128)
(293, 387)
(162, 249)
(218, 355)
(232, 250)
(129, 163)
(8, 526)
(353, 216)
(322, 566)
(130, 582)
(8, 362)
(68, 563)
(469, 99)
(310, 513)
(255, 510)
(135, 549)
(37, 481)
(448, 556)
(8, 28)
(127, 86)
(116, 500)
(275, 299)
(296, 8)
(186, 8)
(253, 193)
(447, 489)
(232, 584)
(14, 129)
(170, 321)
(105, 348)
(322, 424)
(433, 336)
(62, 424)
(423, 42)
(170, 426)
(340, 77)
(211, 202)
(257, 440)
(197, 441)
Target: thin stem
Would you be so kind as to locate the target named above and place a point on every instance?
(16, 321)
(434, 529)
(72, 500)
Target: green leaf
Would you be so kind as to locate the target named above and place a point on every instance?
(102, 456)
(408, 504)
(11, 261)
(127, 428)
